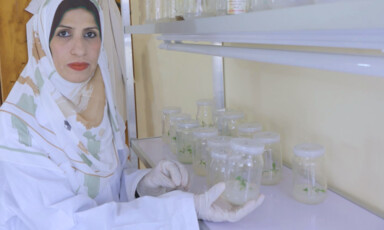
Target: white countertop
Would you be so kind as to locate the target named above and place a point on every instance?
(279, 210)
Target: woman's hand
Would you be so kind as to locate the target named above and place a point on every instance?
(165, 177)
(208, 206)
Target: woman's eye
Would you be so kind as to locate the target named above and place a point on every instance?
(90, 34)
(63, 33)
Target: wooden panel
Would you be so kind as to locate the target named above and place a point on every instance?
(13, 42)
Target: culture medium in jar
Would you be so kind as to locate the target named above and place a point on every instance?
(184, 140)
(200, 155)
(230, 122)
(248, 130)
(167, 111)
(219, 149)
(204, 112)
(174, 119)
(309, 178)
(272, 156)
(244, 168)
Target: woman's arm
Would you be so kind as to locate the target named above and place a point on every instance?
(39, 198)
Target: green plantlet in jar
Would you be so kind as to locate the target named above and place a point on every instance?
(174, 138)
(242, 182)
(203, 163)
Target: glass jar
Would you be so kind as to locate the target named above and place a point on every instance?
(195, 8)
(309, 179)
(167, 111)
(174, 119)
(248, 130)
(200, 149)
(257, 5)
(244, 168)
(204, 113)
(221, 7)
(176, 10)
(184, 140)
(237, 6)
(219, 149)
(272, 156)
(274, 4)
(218, 119)
(230, 121)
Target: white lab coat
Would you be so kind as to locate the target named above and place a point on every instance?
(35, 197)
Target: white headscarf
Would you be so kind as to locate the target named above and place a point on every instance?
(74, 125)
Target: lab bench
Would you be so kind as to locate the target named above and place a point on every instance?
(279, 211)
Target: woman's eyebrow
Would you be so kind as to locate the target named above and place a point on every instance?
(68, 27)
(91, 28)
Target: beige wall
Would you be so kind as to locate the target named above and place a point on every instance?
(344, 112)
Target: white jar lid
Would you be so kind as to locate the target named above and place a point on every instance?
(249, 127)
(179, 117)
(309, 150)
(233, 115)
(247, 145)
(204, 102)
(219, 142)
(188, 124)
(267, 137)
(219, 154)
(171, 109)
(205, 132)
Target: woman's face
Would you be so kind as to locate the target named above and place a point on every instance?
(75, 46)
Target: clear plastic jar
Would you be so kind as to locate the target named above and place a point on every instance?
(248, 130)
(230, 121)
(272, 156)
(200, 154)
(287, 3)
(309, 178)
(184, 140)
(174, 119)
(244, 168)
(204, 113)
(219, 149)
(167, 111)
(237, 6)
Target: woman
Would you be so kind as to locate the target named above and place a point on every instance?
(63, 161)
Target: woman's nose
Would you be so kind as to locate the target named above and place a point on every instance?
(78, 47)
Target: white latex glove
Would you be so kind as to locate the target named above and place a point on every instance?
(165, 177)
(209, 208)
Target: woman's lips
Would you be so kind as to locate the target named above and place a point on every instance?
(78, 66)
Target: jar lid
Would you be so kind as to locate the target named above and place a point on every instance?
(309, 150)
(171, 109)
(267, 137)
(179, 117)
(219, 112)
(188, 124)
(204, 102)
(219, 153)
(247, 145)
(205, 132)
(249, 127)
(233, 115)
(219, 142)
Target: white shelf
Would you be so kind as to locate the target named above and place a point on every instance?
(359, 15)
(279, 210)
